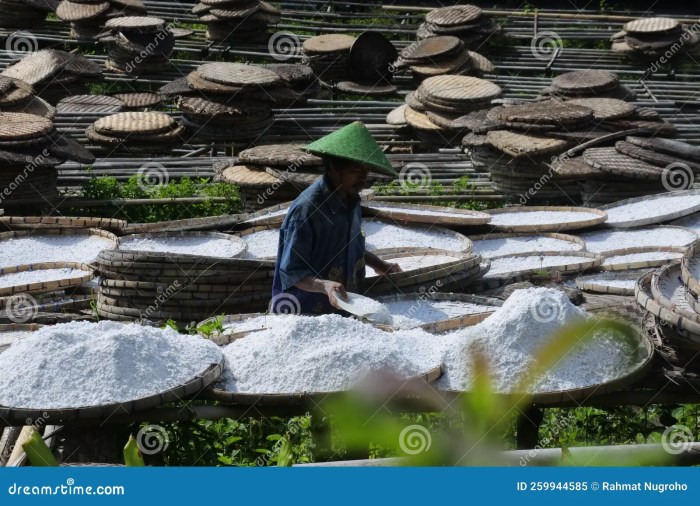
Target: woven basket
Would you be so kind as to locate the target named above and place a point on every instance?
(402, 214)
(263, 218)
(46, 286)
(591, 261)
(556, 227)
(653, 204)
(642, 264)
(593, 282)
(18, 416)
(466, 244)
(35, 222)
(551, 235)
(161, 235)
(186, 225)
(690, 257)
(665, 274)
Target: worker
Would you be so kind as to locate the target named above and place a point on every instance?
(321, 251)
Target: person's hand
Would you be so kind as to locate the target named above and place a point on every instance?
(333, 290)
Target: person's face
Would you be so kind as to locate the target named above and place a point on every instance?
(352, 177)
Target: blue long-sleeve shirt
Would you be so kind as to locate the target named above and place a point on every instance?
(320, 237)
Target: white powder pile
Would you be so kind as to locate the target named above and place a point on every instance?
(82, 364)
(8, 338)
(506, 265)
(525, 244)
(540, 218)
(380, 235)
(659, 206)
(267, 216)
(202, 246)
(52, 248)
(647, 256)
(418, 212)
(256, 323)
(262, 244)
(510, 338)
(602, 241)
(39, 276)
(322, 354)
(415, 262)
(407, 314)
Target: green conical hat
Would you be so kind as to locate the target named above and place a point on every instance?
(353, 142)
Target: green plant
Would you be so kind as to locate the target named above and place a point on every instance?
(216, 326)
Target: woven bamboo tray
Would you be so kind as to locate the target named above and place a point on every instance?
(186, 261)
(302, 398)
(642, 263)
(466, 244)
(588, 261)
(642, 293)
(269, 216)
(458, 261)
(185, 225)
(665, 279)
(18, 416)
(555, 227)
(629, 379)
(655, 202)
(167, 235)
(689, 266)
(552, 235)
(597, 282)
(35, 222)
(46, 286)
(413, 213)
(449, 324)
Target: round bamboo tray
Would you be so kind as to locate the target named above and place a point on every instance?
(185, 225)
(36, 222)
(553, 227)
(665, 255)
(690, 266)
(270, 216)
(643, 295)
(465, 243)
(168, 235)
(666, 279)
(646, 349)
(431, 215)
(302, 398)
(459, 261)
(184, 261)
(551, 235)
(185, 291)
(654, 202)
(194, 386)
(601, 282)
(448, 324)
(588, 261)
(46, 286)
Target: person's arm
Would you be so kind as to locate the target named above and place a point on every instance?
(331, 288)
(380, 266)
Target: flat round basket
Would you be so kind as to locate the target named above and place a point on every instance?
(668, 290)
(667, 146)
(690, 268)
(611, 283)
(604, 240)
(432, 49)
(230, 245)
(78, 222)
(647, 210)
(494, 245)
(459, 89)
(43, 277)
(443, 311)
(454, 16)
(640, 258)
(192, 387)
(652, 25)
(605, 108)
(545, 219)
(138, 100)
(397, 117)
(332, 43)
(432, 215)
(270, 216)
(279, 155)
(518, 144)
(90, 104)
(308, 398)
(612, 161)
(418, 264)
(658, 159)
(127, 123)
(510, 266)
(381, 234)
(586, 80)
